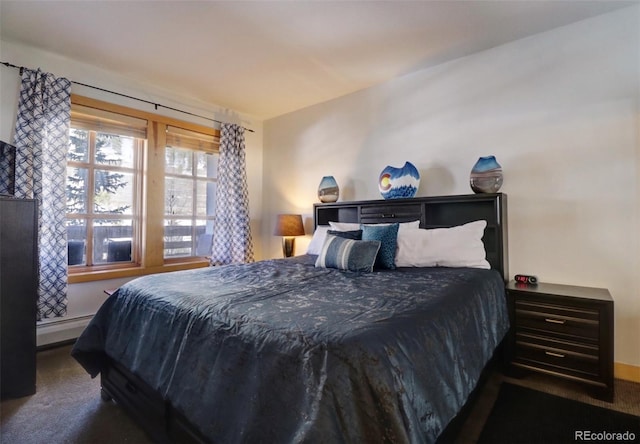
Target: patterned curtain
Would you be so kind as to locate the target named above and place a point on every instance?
(42, 140)
(231, 232)
(7, 168)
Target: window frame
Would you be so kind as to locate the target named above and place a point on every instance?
(150, 251)
(90, 216)
(195, 179)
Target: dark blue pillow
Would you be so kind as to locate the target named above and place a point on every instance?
(388, 237)
(348, 254)
(355, 234)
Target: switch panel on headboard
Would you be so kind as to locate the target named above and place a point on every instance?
(432, 212)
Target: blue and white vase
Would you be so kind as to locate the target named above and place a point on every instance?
(396, 183)
(328, 190)
(486, 175)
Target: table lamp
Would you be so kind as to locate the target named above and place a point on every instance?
(288, 226)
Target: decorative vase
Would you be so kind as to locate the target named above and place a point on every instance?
(486, 175)
(396, 183)
(328, 190)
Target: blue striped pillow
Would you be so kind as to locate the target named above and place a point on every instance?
(348, 254)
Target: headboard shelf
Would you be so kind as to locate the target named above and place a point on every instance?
(432, 212)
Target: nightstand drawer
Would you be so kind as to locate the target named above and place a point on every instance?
(579, 348)
(557, 358)
(567, 321)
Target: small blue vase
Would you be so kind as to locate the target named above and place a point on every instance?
(486, 175)
(328, 190)
(397, 183)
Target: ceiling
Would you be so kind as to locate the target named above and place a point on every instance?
(267, 58)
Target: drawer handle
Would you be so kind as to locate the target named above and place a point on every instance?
(131, 388)
(384, 216)
(554, 354)
(555, 321)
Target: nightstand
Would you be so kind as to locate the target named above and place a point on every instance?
(563, 330)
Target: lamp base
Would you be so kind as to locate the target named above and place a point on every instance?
(288, 245)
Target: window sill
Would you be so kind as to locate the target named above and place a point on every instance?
(76, 277)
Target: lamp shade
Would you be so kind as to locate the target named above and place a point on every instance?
(289, 225)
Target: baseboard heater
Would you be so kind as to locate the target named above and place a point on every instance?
(62, 330)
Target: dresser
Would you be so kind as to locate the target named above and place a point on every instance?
(18, 296)
(565, 331)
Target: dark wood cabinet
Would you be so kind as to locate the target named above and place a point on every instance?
(18, 296)
(563, 330)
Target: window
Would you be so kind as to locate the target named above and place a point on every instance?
(103, 198)
(191, 164)
(140, 192)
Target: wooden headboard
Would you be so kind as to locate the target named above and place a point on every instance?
(433, 212)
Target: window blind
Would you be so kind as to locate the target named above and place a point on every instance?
(92, 119)
(182, 138)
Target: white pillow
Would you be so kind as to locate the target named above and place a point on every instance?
(349, 226)
(317, 241)
(459, 246)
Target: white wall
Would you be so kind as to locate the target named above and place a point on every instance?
(560, 110)
(84, 299)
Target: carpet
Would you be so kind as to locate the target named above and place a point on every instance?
(66, 408)
(524, 416)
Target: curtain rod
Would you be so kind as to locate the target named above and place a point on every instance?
(156, 105)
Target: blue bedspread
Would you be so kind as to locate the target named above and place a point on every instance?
(282, 352)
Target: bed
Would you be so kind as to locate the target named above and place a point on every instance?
(286, 351)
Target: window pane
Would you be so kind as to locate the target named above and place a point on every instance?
(178, 196)
(78, 146)
(204, 239)
(190, 198)
(114, 150)
(207, 165)
(103, 192)
(113, 192)
(76, 241)
(77, 190)
(178, 237)
(206, 197)
(112, 240)
(178, 161)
